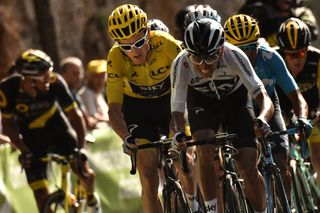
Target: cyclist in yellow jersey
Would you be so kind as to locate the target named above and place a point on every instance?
(138, 91)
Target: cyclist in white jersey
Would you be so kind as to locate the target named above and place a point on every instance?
(214, 78)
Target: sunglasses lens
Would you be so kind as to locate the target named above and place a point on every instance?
(140, 43)
(248, 47)
(125, 47)
(208, 60)
(299, 54)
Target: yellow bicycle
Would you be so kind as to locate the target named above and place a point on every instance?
(70, 195)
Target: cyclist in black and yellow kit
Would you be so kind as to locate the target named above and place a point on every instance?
(138, 91)
(303, 62)
(40, 116)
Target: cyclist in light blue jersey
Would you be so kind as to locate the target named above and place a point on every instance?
(243, 31)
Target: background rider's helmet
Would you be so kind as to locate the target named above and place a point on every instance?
(126, 21)
(204, 37)
(33, 62)
(241, 29)
(156, 24)
(179, 18)
(292, 3)
(198, 12)
(293, 34)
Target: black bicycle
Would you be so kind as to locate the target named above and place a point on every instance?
(234, 200)
(277, 200)
(174, 199)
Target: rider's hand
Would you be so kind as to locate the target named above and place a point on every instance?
(261, 127)
(305, 124)
(25, 159)
(178, 141)
(129, 144)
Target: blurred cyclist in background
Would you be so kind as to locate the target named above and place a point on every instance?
(303, 62)
(276, 12)
(40, 116)
(157, 24)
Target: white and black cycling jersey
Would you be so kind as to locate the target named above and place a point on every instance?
(234, 69)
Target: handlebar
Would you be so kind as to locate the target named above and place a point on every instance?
(164, 145)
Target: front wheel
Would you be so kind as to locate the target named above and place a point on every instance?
(55, 203)
(174, 199)
(233, 197)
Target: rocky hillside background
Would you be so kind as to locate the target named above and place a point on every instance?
(78, 27)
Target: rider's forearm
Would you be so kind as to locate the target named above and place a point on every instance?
(178, 121)
(78, 124)
(299, 104)
(265, 105)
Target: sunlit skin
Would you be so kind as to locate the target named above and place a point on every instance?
(295, 64)
(33, 85)
(252, 54)
(137, 55)
(207, 70)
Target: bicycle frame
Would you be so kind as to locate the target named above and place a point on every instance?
(233, 196)
(70, 201)
(271, 172)
(305, 180)
(172, 185)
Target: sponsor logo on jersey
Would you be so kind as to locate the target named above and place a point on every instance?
(3, 99)
(158, 73)
(22, 108)
(155, 90)
(113, 77)
(197, 110)
(244, 67)
(109, 63)
(156, 46)
(131, 127)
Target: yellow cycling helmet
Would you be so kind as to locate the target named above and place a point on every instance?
(33, 62)
(126, 21)
(241, 29)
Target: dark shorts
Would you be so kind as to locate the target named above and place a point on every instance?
(147, 118)
(234, 111)
(60, 140)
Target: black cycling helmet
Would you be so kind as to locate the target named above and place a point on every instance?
(156, 24)
(33, 62)
(200, 11)
(293, 34)
(204, 37)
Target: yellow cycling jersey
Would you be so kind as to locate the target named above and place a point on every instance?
(149, 80)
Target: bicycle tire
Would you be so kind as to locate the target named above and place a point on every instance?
(233, 197)
(175, 200)
(281, 199)
(299, 201)
(306, 191)
(239, 192)
(55, 203)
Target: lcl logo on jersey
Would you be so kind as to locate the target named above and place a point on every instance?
(22, 108)
(3, 100)
(158, 74)
(113, 77)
